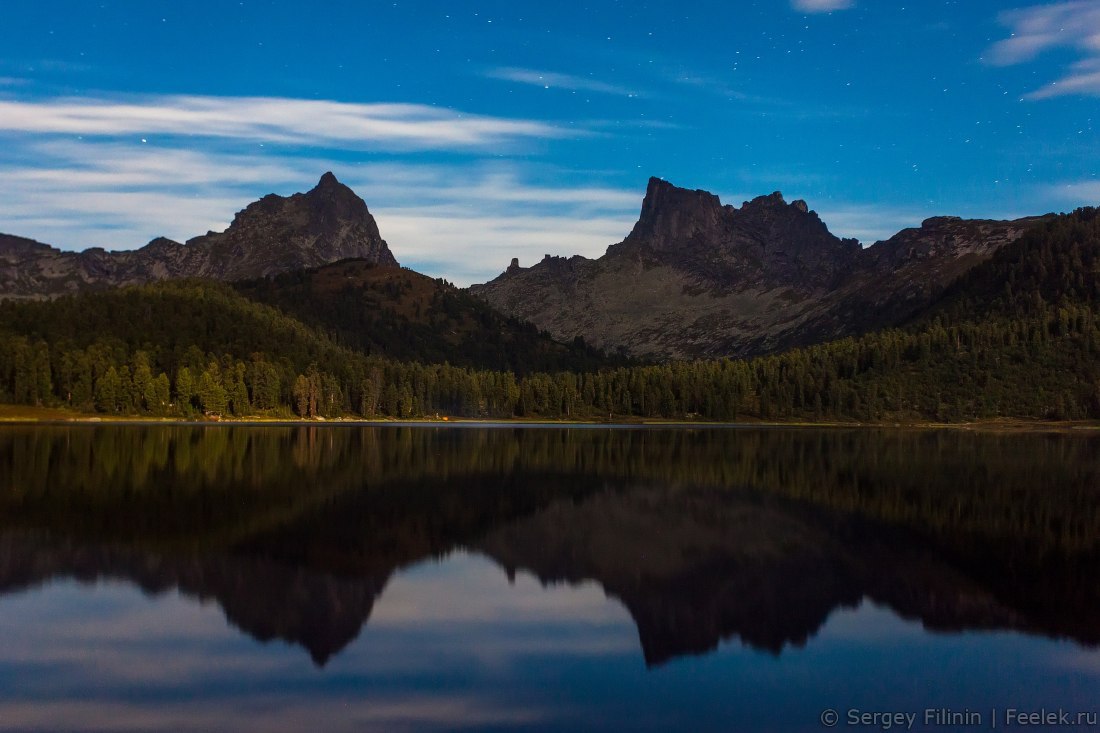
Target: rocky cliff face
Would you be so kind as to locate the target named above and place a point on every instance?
(272, 235)
(767, 242)
(696, 278)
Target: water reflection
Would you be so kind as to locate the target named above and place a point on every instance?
(702, 535)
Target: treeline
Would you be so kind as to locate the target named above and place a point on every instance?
(133, 482)
(1043, 367)
(1055, 263)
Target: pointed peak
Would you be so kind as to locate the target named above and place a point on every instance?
(331, 192)
(327, 180)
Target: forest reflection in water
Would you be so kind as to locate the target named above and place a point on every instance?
(702, 534)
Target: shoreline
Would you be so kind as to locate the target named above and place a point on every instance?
(11, 415)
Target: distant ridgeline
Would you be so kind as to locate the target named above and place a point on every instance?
(1017, 335)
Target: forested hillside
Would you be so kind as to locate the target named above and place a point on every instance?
(1053, 265)
(1017, 337)
(400, 314)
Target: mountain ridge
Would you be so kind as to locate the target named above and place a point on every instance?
(272, 235)
(696, 278)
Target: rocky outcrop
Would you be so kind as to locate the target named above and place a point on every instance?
(696, 278)
(766, 243)
(275, 234)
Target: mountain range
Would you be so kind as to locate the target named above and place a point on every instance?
(693, 279)
(953, 320)
(696, 278)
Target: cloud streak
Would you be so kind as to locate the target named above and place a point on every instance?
(1076, 193)
(821, 6)
(1034, 30)
(555, 80)
(463, 221)
(271, 119)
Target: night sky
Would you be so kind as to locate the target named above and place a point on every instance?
(478, 132)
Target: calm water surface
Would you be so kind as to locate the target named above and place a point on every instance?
(419, 578)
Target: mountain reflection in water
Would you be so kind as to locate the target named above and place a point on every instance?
(703, 535)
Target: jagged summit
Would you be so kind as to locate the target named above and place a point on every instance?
(775, 198)
(767, 241)
(272, 235)
(670, 213)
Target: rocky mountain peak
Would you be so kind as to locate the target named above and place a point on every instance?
(328, 180)
(773, 199)
(671, 214)
(333, 198)
(792, 228)
(328, 223)
(326, 205)
(774, 206)
(13, 246)
(272, 235)
(764, 243)
(161, 243)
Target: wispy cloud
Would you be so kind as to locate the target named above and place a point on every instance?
(271, 119)
(1083, 78)
(116, 195)
(1034, 30)
(467, 224)
(272, 713)
(555, 80)
(115, 171)
(471, 248)
(869, 223)
(821, 6)
(463, 220)
(1074, 193)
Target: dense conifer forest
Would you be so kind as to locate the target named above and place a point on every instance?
(1018, 336)
(405, 316)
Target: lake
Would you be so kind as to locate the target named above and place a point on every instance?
(342, 578)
